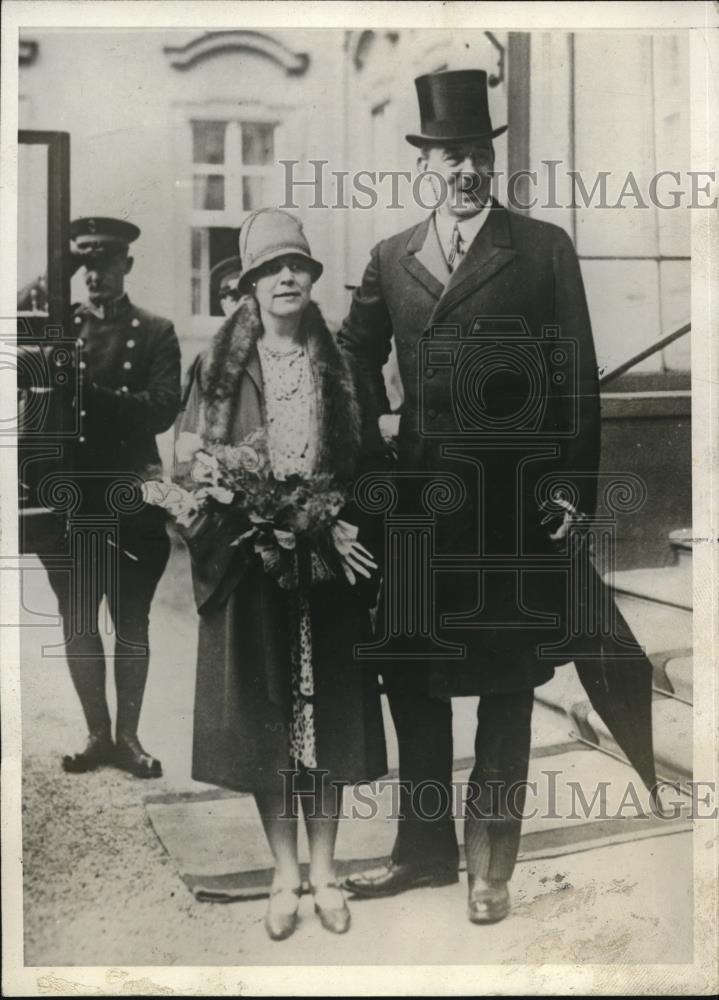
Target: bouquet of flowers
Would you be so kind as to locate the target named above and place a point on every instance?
(280, 512)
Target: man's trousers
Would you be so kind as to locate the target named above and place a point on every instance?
(495, 794)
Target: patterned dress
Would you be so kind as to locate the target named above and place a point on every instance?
(291, 416)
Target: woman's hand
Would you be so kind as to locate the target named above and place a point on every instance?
(354, 557)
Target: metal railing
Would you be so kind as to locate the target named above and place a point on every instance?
(646, 353)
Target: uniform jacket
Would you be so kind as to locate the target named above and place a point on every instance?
(130, 392)
(243, 695)
(515, 267)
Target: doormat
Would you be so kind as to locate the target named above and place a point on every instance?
(217, 843)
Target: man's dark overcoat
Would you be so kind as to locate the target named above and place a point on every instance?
(515, 269)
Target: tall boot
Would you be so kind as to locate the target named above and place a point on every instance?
(88, 677)
(130, 679)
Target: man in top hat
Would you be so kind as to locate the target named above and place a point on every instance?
(129, 391)
(225, 277)
(473, 266)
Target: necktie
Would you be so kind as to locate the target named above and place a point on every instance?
(456, 251)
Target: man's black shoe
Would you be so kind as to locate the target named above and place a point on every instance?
(488, 902)
(99, 750)
(130, 756)
(391, 879)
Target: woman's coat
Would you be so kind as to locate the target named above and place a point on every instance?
(243, 700)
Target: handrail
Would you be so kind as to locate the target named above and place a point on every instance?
(646, 353)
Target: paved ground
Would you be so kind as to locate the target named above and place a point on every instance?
(100, 890)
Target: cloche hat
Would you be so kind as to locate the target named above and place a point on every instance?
(270, 233)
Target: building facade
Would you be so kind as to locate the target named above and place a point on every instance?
(184, 133)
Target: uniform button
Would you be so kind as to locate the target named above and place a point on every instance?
(80, 342)
(123, 388)
(130, 343)
(82, 365)
(127, 366)
(135, 322)
(430, 373)
(77, 320)
(81, 439)
(83, 413)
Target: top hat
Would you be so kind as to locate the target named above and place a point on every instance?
(230, 267)
(453, 107)
(103, 236)
(270, 233)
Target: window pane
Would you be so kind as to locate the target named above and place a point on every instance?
(223, 242)
(258, 147)
(196, 251)
(209, 192)
(210, 245)
(196, 296)
(208, 142)
(254, 193)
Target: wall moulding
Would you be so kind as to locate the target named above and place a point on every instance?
(213, 43)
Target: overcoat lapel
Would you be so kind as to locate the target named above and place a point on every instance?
(413, 263)
(432, 256)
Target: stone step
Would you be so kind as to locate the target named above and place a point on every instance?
(669, 585)
(672, 733)
(673, 673)
(657, 627)
(680, 671)
(664, 631)
(682, 544)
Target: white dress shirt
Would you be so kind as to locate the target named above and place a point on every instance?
(468, 229)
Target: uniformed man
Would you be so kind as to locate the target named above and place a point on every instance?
(225, 277)
(129, 391)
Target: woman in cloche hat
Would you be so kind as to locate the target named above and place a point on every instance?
(281, 709)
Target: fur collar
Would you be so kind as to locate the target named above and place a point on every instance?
(225, 364)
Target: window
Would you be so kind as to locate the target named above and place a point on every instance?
(232, 174)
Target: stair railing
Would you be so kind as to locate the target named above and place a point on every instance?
(646, 353)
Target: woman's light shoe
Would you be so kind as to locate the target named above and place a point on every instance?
(281, 915)
(331, 908)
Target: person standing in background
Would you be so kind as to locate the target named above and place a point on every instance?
(129, 391)
(225, 277)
